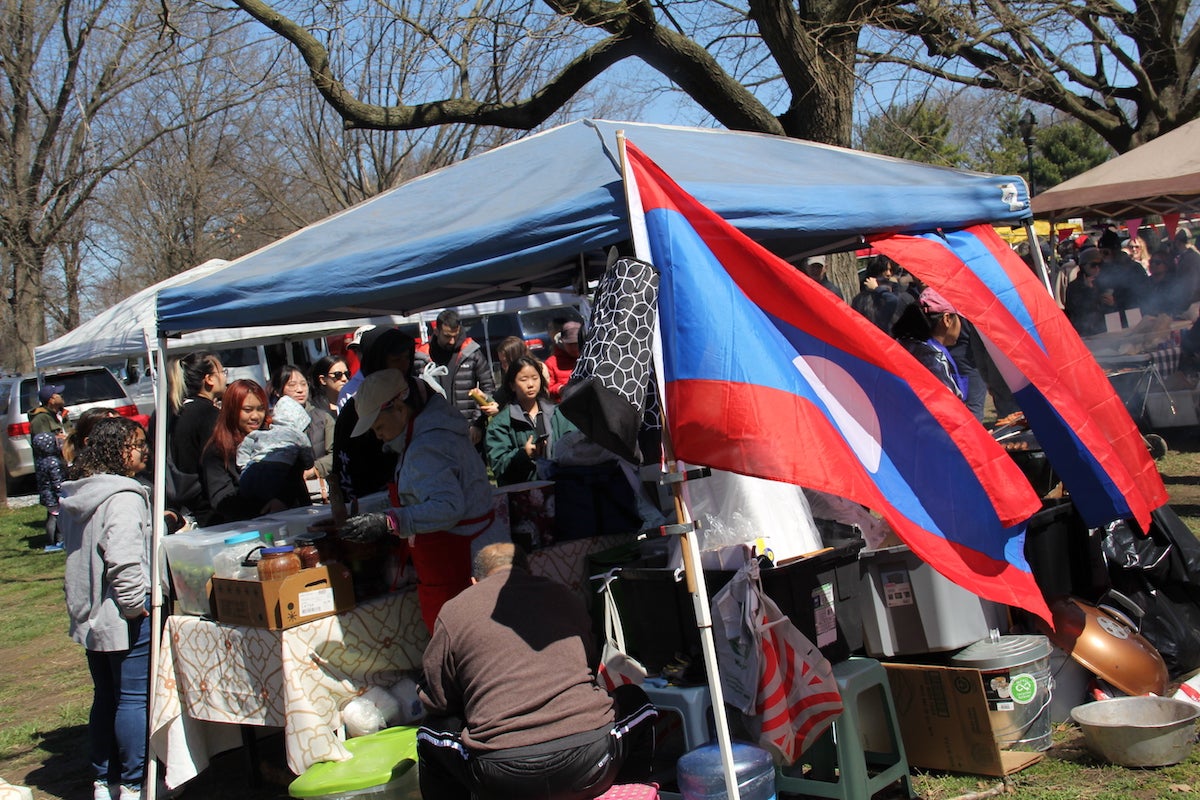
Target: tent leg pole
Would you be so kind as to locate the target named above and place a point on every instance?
(150, 784)
(691, 549)
(1035, 254)
(694, 576)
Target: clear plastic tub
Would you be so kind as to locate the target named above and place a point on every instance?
(190, 557)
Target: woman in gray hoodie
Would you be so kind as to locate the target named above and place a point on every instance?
(105, 518)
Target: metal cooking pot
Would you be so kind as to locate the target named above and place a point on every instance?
(1107, 644)
(1138, 731)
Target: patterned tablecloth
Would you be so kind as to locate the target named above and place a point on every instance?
(297, 679)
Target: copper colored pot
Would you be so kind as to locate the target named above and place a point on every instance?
(1104, 642)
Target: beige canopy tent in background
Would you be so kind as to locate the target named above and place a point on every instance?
(1160, 177)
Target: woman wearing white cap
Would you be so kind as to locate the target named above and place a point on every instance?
(441, 499)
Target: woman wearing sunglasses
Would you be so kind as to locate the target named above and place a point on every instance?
(327, 378)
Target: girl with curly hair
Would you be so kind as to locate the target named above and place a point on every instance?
(107, 531)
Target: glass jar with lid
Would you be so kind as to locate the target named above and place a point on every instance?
(278, 563)
(313, 548)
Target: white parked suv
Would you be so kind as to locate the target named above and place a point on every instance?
(83, 388)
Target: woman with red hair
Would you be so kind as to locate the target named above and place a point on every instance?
(243, 410)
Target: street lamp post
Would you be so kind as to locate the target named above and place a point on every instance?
(1025, 126)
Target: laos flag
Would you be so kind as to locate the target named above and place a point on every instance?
(767, 374)
(1078, 419)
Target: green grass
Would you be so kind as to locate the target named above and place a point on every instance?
(17, 738)
(46, 688)
(30, 580)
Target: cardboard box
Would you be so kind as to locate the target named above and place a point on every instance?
(945, 724)
(308, 595)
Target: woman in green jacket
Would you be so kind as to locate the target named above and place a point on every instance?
(526, 430)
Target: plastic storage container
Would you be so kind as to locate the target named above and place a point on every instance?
(907, 608)
(702, 773)
(228, 562)
(383, 766)
(1016, 682)
(190, 557)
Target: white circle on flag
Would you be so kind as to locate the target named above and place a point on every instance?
(848, 404)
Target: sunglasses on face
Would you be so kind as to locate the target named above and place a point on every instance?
(337, 375)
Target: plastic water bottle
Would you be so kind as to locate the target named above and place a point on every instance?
(701, 773)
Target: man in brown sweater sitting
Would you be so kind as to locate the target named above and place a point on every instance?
(514, 708)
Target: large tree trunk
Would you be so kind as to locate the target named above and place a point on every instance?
(27, 302)
(824, 111)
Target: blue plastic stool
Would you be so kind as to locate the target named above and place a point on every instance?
(693, 704)
(848, 761)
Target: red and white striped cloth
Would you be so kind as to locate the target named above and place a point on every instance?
(798, 696)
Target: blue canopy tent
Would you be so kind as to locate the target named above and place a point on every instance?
(517, 219)
(527, 217)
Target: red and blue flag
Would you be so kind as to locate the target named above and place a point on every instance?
(1078, 419)
(767, 374)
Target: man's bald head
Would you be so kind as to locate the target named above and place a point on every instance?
(495, 557)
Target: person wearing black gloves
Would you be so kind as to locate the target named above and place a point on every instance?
(441, 500)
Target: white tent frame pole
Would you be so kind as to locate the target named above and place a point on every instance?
(692, 571)
(150, 784)
(1035, 253)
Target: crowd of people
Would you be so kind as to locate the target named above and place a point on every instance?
(1102, 275)
(1096, 275)
(425, 424)
(429, 425)
(931, 329)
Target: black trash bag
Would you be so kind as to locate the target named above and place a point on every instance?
(1158, 573)
(1185, 561)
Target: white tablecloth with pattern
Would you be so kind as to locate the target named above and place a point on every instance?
(297, 679)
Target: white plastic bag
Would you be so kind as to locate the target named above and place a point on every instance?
(370, 712)
(616, 668)
(409, 700)
(734, 609)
